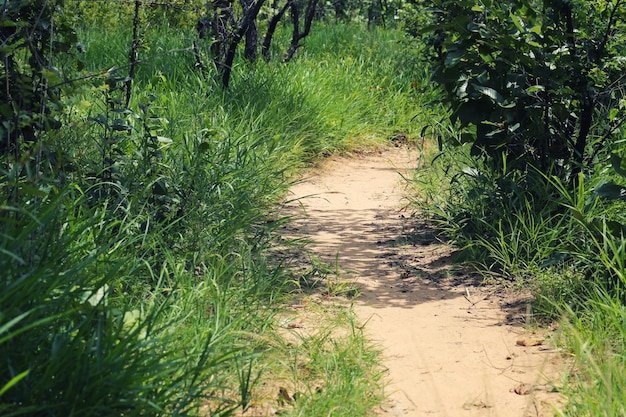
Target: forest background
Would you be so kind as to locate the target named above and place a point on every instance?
(147, 145)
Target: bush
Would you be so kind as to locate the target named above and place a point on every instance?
(536, 83)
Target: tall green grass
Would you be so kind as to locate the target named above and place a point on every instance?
(595, 319)
(503, 222)
(346, 87)
(139, 276)
(595, 337)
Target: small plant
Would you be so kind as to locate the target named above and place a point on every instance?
(594, 333)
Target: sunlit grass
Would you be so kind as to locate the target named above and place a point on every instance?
(595, 335)
(144, 278)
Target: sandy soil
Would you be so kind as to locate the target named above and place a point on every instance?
(452, 347)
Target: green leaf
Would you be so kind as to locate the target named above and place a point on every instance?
(611, 191)
(52, 76)
(471, 171)
(489, 92)
(7, 326)
(101, 119)
(17, 378)
(514, 127)
(494, 96)
(120, 126)
(454, 57)
(159, 187)
(536, 29)
(473, 27)
(31, 325)
(164, 140)
(483, 78)
(518, 22)
(619, 164)
(534, 88)
(6, 23)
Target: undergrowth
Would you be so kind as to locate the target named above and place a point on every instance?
(564, 245)
(139, 275)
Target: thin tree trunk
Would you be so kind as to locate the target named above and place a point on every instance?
(133, 55)
(271, 29)
(248, 16)
(251, 35)
(295, 37)
(308, 21)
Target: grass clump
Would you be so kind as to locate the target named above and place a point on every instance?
(595, 337)
(323, 359)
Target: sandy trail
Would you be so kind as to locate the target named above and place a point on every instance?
(450, 346)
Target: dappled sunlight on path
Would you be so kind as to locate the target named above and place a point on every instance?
(450, 348)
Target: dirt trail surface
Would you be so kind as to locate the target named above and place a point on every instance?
(451, 346)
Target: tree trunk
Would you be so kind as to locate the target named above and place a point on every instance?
(248, 16)
(271, 29)
(133, 55)
(251, 35)
(308, 21)
(216, 27)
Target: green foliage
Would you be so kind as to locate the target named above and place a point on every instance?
(501, 221)
(74, 348)
(115, 15)
(531, 166)
(30, 95)
(597, 244)
(534, 91)
(595, 335)
(136, 236)
(539, 83)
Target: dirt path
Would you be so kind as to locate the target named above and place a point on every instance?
(450, 346)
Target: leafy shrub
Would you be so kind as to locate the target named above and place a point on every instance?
(536, 82)
(535, 92)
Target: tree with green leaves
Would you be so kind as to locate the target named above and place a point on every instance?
(533, 84)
